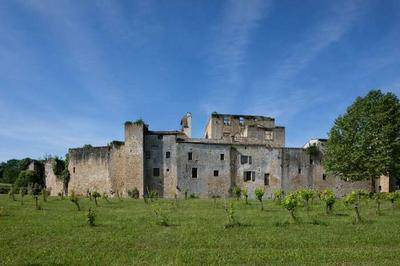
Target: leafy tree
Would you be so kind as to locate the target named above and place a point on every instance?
(259, 192)
(96, 195)
(353, 199)
(378, 196)
(74, 199)
(22, 192)
(11, 169)
(230, 214)
(365, 141)
(278, 194)
(393, 196)
(290, 202)
(27, 177)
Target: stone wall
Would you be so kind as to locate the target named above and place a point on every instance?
(53, 183)
(89, 170)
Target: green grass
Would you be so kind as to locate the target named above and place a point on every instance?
(126, 233)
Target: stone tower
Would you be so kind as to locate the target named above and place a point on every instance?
(186, 124)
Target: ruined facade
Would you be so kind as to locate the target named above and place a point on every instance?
(237, 150)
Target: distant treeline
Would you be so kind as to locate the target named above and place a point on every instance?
(10, 170)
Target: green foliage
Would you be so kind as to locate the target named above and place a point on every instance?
(393, 196)
(378, 197)
(290, 203)
(105, 197)
(10, 170)
(58, 166)
(365, 141)
(134, 193)
(75, 199)
(91, 217)
(22, 192)
(161, 217)
(230, 214)
(237, 191)
(259, 193)
(278, 194)
(329, 197)
(139, 121)
(306, 195)
(353, 199)
(312, 150)
(28, 177)
(87, 146)
(45, 194)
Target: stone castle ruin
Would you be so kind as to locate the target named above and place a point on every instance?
(237, 150)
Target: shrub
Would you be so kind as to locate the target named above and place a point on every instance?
(5, 188)
(290, 202)
(237, 191)
(134, 193)
(278, 194)
(393, 196)
(153, 195)
(378, 196)
(306, 195)
(230, 214)
(329, 197)
(161, 218)
(259, 192)
(91, 216)
(74, 199)
(353, 199)
(96, 195)
(26, 177)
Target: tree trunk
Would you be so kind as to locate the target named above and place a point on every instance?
(262, 206)
(358, 217)
(36, 203)
(372, 185)
(378, 207)
(292, 215)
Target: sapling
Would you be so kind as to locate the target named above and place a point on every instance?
(45, 194)
(237, 191)
(91, 216)
(306, 195)
(278, 194)
(329, 197)
(259, 192)
(245, 194)
(75, 199)
(22, 193)
(353, 199)
(95, 195)
(11, 193)
(36, 193)
(230, 214)
(161, 218)
(290, 202)
(378, 196)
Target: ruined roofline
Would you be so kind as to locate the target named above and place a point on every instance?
(81, 149)
(165, 132)
(223, 142)
(215, 114)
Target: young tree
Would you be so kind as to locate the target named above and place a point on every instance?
(290, 202)
(237, 191)
(365, 142)
(74, 199)
(353, 199)
(95, 196)
(245, 194)
(259, 192)
(306, 195)
(329, 197)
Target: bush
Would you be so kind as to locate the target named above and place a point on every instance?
(237, 191)
(393, 196)
(134, 193)
(378, 196)
(278, 194)
(306, 195)
(28, 177)
(230, 214)
(259, 192)
(329, 197)
(353, 199)
(290, 202)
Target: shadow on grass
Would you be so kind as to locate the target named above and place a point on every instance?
(342, 214)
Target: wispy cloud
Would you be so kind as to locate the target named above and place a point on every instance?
(228, 49)
(267, 91)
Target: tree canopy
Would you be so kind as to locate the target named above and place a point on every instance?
(9, 170)
(365, 141)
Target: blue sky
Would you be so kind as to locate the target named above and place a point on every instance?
(71, 72)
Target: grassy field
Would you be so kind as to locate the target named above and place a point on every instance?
(126, 233)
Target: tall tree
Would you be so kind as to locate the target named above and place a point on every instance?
(364, 143)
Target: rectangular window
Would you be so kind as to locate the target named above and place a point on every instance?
(216, 173)
(147, 154)
(194, 172)
(190, 156)
(246, 176)
(156, 171)
(222, 156)
(250, 160)
(243, 159)
(299, 170)
(323, 176)
(73, 170)
(266, 179)
(253, 176)
(160, 136)
(167, 154)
